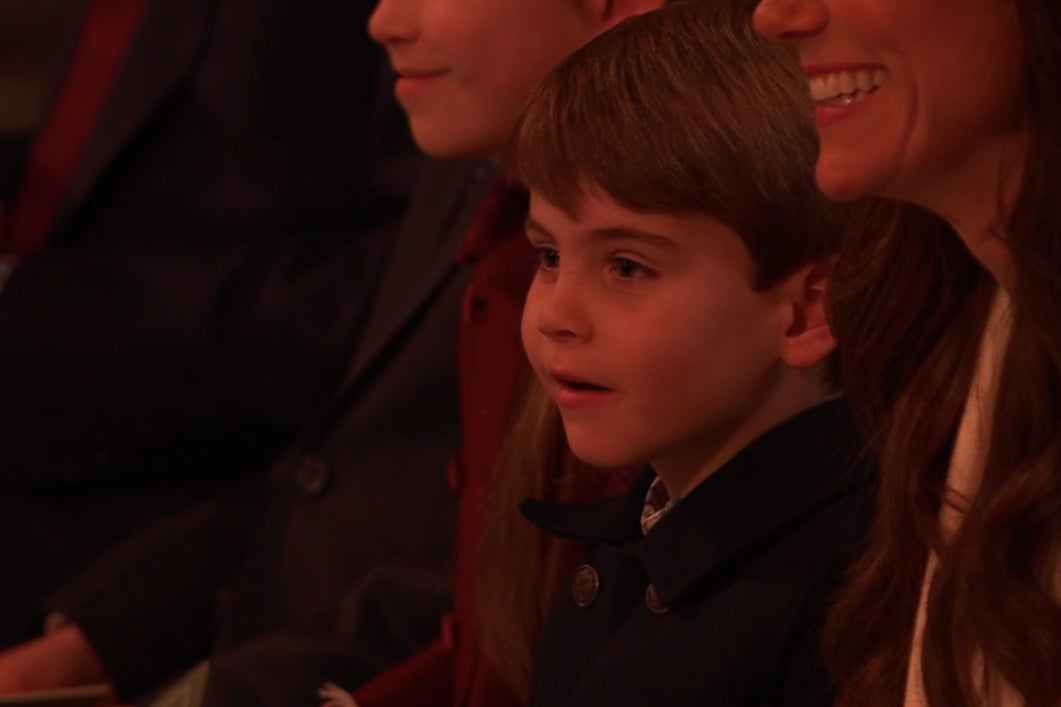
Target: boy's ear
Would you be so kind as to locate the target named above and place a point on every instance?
(612, 12)
(806, 338)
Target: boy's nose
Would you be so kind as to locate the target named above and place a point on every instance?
(790, 20)
(393, 21)
(561, 315)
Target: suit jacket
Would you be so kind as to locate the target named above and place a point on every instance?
(346, 568)
(207, 279)
(721, 602)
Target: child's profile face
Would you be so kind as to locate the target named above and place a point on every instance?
(466, 67)
(647, 332)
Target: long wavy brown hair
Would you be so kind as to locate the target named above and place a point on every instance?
(682, 110)
(908, 311)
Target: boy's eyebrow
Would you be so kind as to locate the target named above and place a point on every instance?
(623, 233)
(608, 234)
(532, 225)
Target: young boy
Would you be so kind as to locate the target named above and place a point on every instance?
(677, 320)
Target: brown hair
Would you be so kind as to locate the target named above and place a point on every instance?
(682, 110)
(908, 311)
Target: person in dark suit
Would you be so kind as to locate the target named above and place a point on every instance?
(194, 262)
(345, 569)
(336, 563)
(677, 321)
(325, 582)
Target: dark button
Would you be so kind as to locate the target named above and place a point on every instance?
(312, 475)
(653, 603)
(585, 586)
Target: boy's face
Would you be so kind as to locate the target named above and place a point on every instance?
(646, 331)
(466, 67)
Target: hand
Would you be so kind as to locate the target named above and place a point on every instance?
(62, 658)
(335, 696)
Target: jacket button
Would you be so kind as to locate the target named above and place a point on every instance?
(312, 475)
(653, 603)
(585, 587)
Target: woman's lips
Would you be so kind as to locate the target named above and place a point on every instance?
(840, 91)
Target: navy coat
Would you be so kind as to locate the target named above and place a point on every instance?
(722, 601)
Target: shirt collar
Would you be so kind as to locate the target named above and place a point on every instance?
(657, 502)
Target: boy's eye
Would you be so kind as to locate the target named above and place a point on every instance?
(548, 258)
(629, 269)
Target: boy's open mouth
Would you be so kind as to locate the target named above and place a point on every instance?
(581, 385)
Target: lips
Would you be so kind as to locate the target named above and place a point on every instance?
(572, 390)
(839, 91)
(413, 80)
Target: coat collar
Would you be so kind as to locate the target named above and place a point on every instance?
(787, 474)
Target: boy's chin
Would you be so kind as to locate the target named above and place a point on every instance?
(604, 456)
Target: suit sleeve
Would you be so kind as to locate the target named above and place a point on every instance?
(147, 607)
(386, 616)
(284, 670)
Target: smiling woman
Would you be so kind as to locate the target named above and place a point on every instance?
(948, 322)
(915, 76)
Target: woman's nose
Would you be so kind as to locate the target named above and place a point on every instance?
(790, 20)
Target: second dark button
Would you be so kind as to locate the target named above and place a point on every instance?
(585, 586)
(653, 603)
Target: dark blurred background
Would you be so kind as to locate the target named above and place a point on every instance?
(34, 35)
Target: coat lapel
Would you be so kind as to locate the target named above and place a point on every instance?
(162, 54)
(424, 252)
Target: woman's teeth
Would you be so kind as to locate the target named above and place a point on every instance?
(840, 88)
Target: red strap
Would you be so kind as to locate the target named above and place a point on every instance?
(105, 36)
